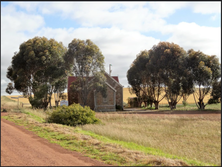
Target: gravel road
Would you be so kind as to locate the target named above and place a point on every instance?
(20, 147)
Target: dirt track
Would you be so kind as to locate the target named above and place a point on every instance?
(20, 147)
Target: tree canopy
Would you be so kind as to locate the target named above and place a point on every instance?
(37, 68)
(205, 70)
(167, 66)
(86, 61)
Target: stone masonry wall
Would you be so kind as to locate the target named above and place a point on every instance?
(119, 90)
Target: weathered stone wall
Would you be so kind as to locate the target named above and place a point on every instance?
(119, 90)
(90, 100)
(101, 104)
(109, 100)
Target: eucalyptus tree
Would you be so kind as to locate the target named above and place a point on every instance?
(136, 78)
(153, 74)
(205, 70)
(86, 62)
(170, 58)
(36, 68)
(144, 78)
(216, 92)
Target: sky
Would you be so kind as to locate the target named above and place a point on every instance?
(121, 30)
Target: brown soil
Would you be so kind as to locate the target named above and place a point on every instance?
(20, 147)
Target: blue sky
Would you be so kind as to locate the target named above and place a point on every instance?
(120, 29)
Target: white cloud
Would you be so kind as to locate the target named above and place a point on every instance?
(191, 35)
(129, 16)
(119, 47)
(120, 42)
(165, 9)
(12, 20)
(208, 7)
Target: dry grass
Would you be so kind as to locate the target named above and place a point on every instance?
(195, 138)
(126, 94)
(127, 157)
(8, 104)
(26, 100)
(190, 99)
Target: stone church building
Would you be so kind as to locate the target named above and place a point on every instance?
(95, 99)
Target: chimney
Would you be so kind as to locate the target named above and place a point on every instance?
(110, 69)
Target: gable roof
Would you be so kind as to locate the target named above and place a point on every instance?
(114, 78)
(73, 78)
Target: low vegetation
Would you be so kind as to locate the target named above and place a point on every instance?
(73, 115)
(196, 138)
(187, 107)
(131, 140)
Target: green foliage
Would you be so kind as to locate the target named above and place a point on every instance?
(205, 70)
(125, 104)
(86, 61)
(38, 63)
(73, 115)
(167, 66)
(216, 93)
(184, 103)
(9, 88)
(213, 101)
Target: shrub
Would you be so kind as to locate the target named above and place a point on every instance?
(119, 107)
(184, 103)
(73, 115)
(125, 104)
(213, 101)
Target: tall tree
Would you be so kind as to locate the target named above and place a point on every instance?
(153, 74)
(87, 63)
(144, 78)
(37, 66)
(170, 58)
(216, 92)
(205, 70)
(135, 81)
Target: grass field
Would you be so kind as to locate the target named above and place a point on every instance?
(126, 94)
(134, 140)
(194, 138)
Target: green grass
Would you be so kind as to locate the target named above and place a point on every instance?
(148, 150)
(72, 143)
(196, 141)
(193, 138)
(165, 107)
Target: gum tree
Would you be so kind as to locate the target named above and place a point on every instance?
(144, 78)
(86, 62)
(36, 69)
(205, 70)
(170, 58)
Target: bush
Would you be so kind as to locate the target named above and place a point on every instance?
(119, 107)
(73, 115)
(184, 103)
(213, 101)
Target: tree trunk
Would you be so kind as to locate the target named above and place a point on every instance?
(145, 102)
(173, 105)
(50, 101)
(156, 105)
(201, 105)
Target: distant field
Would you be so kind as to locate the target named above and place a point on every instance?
(190, 99)
(126, 94)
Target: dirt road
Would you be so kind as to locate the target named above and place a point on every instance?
(20, 147)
